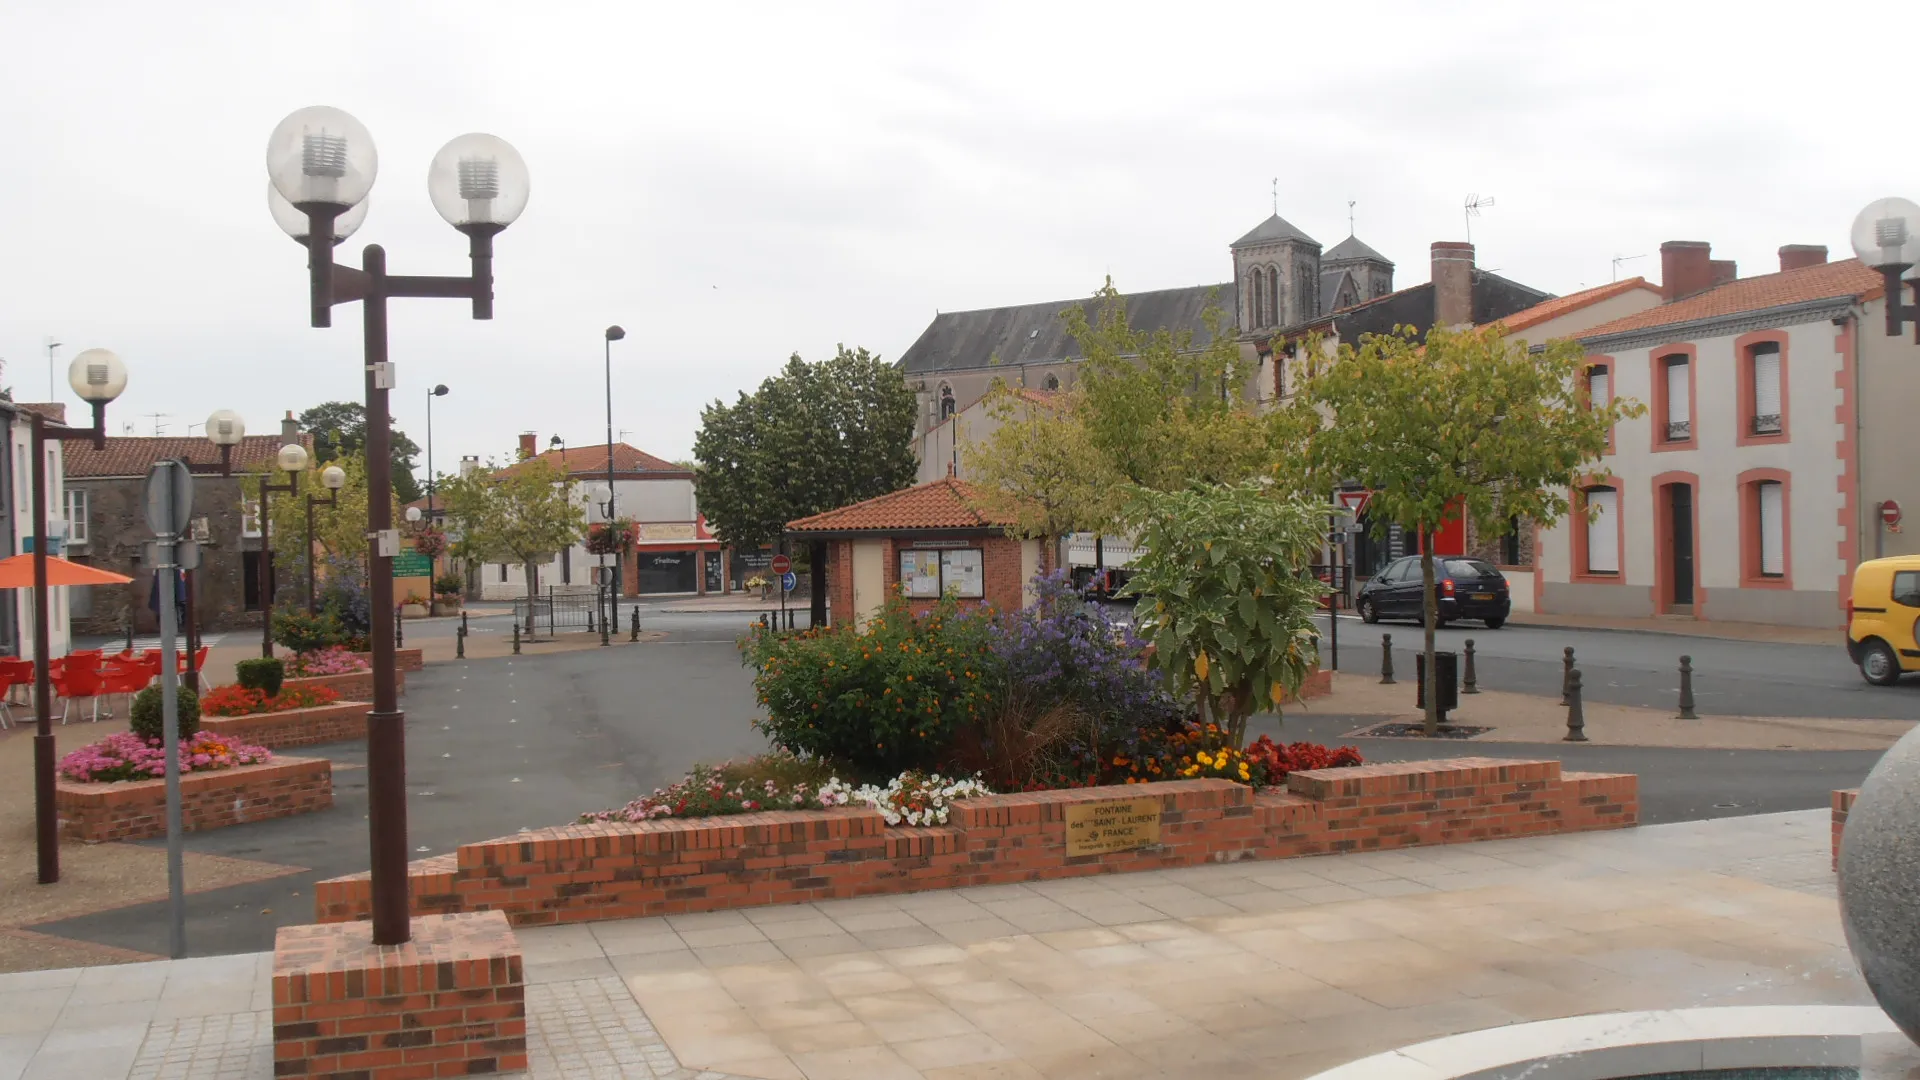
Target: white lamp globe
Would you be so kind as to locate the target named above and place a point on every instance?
(478, 179)
(97, 376)
(293, 458)
(334, 477)
(321, 155)
(294, 223)
(1887, 234)
(225, 428)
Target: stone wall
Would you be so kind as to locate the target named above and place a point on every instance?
(137, 809)
(117, 534)
(339, 722)
(583, 873)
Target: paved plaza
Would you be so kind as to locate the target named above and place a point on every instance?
(1269, 969)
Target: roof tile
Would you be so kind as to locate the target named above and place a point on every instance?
(1561, 305)
(131, 456)
(941, 504)
(592, 460)
(1827, 280)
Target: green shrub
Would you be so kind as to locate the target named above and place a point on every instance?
(150, 725)
(449, 584)
(301, 632)
(881, 700)
(261, 673)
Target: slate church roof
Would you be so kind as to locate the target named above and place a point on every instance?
(1353, 248)
(1272, 230)
(1036, 334)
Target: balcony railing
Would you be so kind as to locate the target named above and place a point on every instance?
(1679, 430)
(1767, 424)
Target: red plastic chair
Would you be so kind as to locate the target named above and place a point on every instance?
(122, 680)
(74, 680)
(13, 672)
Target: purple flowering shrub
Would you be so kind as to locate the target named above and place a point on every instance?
(127, 756)
(333, 660)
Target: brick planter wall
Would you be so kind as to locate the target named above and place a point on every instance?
(588, 872)
(338, 722)
(355, 686)
(137, 809)
(1842, 805)
(403, 659)
(450, 1002)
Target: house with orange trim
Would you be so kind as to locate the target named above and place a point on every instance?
(1744, 493)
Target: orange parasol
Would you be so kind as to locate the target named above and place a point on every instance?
(17, 573)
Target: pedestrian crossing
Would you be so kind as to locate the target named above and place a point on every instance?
(152, 641)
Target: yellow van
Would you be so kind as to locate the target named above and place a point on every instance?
(1882, 616)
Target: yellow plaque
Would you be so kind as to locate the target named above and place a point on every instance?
(1121, 825)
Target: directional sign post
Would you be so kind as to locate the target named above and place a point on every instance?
(170, 515)
(782, 566)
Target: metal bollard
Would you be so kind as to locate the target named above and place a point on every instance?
(633, 624)
(1686, 690)
(129, 635)
(1576, 717)
(516, 637)
(463, 621)
(606, 629)
(460, 644)
(399, 629)
(1469, 683)
(589, 622)
(1566, 676)
(1386, 658)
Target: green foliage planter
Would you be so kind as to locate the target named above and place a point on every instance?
(261, 673)
(148, 722)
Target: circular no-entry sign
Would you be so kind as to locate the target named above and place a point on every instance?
(781, 564)
(1890, 512)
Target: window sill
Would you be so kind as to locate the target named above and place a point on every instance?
(1766, 581)
(1666, 447)
(1597, 577)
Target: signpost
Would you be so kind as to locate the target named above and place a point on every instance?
(170, 516)
(783, 566)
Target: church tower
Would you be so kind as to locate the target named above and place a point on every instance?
(1352, 273)
(1276, 276)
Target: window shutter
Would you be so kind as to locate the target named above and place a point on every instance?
(1603, 535)
(1766, 389)
(1597, 387)
(1773, 529)
(1678, 411)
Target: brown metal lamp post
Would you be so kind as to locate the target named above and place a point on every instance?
(225, 429)
(293, 461)
(333, 478)
(98, 377)
(322, 165)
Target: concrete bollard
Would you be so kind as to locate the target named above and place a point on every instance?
(1576, 716)
(1566, 675)
(1386, 658)
(516, 637)
(1470, 682)
(1686, 690)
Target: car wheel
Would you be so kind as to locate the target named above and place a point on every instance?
(1495, 624)
(1878, 665)
(1367, 613)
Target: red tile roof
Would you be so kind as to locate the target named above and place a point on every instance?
(55, 411)
(1847, 278)
(941, 504)
(130, 456)
(1561, 305)
(591, 460)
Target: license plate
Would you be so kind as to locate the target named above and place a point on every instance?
(1483, 596)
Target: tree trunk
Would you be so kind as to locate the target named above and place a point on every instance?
(1429, 615)
(533, 590)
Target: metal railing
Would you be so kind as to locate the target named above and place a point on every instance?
(557, 611)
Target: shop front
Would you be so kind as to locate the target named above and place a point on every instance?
(675, 557)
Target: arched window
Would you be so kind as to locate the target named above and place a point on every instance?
(1256, 297)
(1273, 296)
(1053, 382)
(946, 401)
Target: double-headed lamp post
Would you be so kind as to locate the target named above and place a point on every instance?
(438, 390)
(98, 377)
(1886, 236)
(613, 334)
(322, 164)
(293, 462)
(333, 478)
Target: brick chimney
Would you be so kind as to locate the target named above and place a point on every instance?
(1724, 271)
(469, 464)
(527, 441)
(1452, 283)
(1796, 256)
(289, 429)
(1686, 267)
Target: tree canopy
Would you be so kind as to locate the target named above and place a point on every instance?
(815, 437)
(524, 515)
(1467, 423)
(339, 429)
(1040, 469)
(339, 531)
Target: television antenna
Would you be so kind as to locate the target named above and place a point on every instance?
(1472, 208)
(1618, 259)
(156, 417)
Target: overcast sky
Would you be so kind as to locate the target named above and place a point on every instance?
(737, 182)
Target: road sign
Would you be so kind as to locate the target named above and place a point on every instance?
(788, 580)
(169, 498)
(1354, 502)
(1890, 512)
(781, 564)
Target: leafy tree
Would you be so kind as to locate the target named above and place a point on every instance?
(815, 437)
(1227, 571)
(339, 531)
(1040, 468)
(525, 514)
(339, 429)
(1468, 423)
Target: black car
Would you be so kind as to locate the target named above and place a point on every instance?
(1466, 589)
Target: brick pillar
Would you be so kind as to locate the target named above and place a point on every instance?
(1452, 283)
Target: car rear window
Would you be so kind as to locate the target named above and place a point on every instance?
(1470, 568)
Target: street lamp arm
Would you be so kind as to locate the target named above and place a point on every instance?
(97, 434)
(331, 283)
